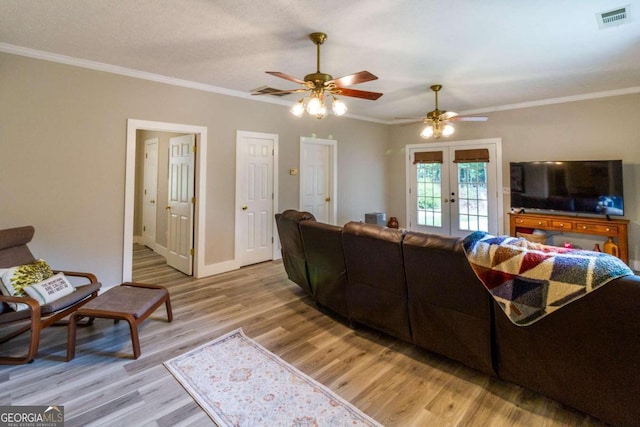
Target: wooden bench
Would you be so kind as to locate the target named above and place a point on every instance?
(133, 302)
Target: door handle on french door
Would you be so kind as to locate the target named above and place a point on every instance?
(328, 199)
(244, 208)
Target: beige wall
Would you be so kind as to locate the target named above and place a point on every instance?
(604, 128)
(63, 139)
(62, 168)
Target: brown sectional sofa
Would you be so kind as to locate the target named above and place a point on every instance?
(420, 288)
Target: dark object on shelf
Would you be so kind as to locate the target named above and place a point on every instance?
(379, 218)
(611, 247)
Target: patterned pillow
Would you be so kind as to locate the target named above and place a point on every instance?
(15, 279)
(49, 290)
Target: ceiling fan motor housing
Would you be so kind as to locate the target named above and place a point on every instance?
(318, 77)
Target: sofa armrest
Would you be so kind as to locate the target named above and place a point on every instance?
(34, 308)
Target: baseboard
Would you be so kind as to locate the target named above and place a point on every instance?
(161, 250)
(213, 269)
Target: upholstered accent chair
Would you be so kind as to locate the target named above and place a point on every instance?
(21, 314)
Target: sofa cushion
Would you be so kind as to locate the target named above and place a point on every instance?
(292, 250)
(325, 264)
(449, 309)
(376, 287)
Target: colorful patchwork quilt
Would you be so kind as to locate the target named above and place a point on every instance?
(530, 280)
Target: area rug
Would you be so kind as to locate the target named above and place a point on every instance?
(240, 383)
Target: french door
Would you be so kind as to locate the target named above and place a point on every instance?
(454, 188)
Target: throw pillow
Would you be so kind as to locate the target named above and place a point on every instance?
(14, 279)
(49, 290)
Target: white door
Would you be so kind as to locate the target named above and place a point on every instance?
(317, 183)
(150, 193)
(180, 207)
(254, 196)
(452, 194)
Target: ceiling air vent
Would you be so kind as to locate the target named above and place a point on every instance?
(266, 90)
(614, 17)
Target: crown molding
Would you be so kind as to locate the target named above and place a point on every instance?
(108, 68)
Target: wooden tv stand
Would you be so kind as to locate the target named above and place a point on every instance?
(616, 228)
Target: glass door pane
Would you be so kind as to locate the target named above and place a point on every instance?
(429, 194)
(428, 202)
(473, 200)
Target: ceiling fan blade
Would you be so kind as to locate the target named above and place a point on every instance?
(469, 119)
(448, 115)
(359, 93)
(286, 77)
(279, 92)
(413, 120)
(354, 79)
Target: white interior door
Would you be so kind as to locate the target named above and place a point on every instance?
(254, 196)
(454, 197)
(317, 178)
(150, 193)
(180, 207)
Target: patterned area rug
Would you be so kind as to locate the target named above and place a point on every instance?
(240, 383)
(531, 280)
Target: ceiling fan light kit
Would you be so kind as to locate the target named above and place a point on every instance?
(322, 87)
(438, 121)
(436, 130)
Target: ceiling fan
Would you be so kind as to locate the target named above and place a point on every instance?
(320, 85)
(438, 120)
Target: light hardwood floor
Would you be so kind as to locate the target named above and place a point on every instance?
(392, 381)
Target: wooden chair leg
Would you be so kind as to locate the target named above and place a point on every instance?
(31, 352)
(135, 339)
(169, 312)
(71, 337)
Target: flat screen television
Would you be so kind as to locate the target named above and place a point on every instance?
(581, 187)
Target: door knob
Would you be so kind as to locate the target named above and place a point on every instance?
(244, 208)
(453, 200)
(446, 200)
(152, 201)
(328, 199)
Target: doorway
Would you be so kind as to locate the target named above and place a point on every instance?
(150, 194)
(199, 179)
(318, 178)
(454, 188)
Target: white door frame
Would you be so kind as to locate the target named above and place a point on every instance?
(201, 181)
(150, 172)
(333, 176)
(497, 142)
(276, 254)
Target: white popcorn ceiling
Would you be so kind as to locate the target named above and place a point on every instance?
(489, 55)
